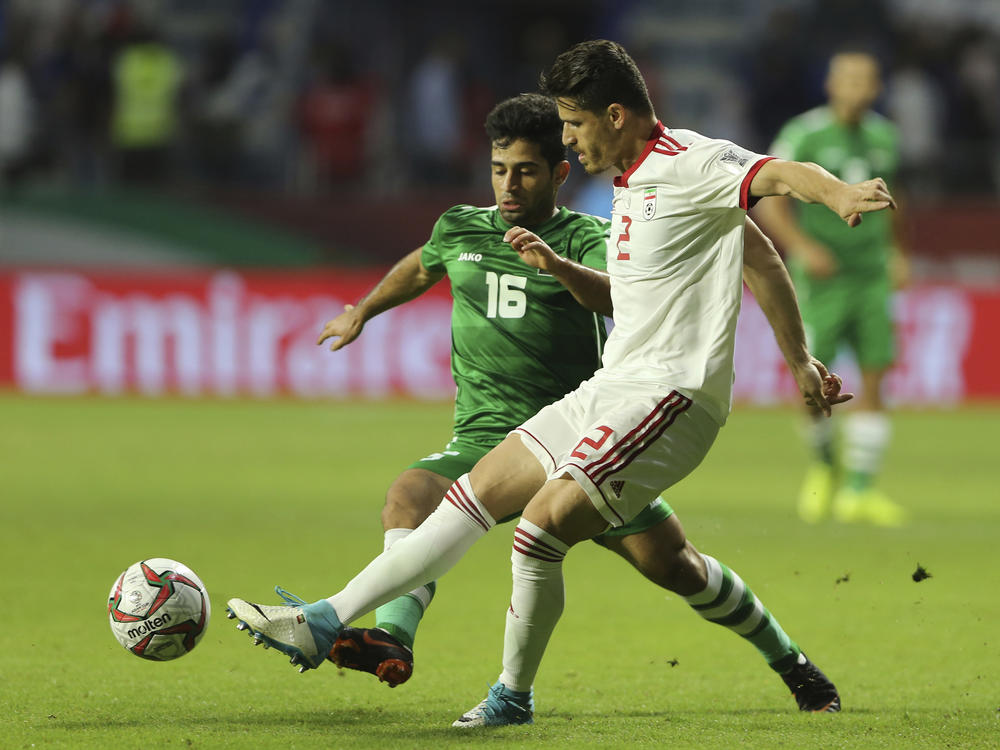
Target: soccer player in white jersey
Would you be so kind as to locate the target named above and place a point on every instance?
(647, 418)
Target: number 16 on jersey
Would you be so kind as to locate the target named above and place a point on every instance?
(505, 295)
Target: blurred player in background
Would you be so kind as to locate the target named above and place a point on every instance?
(524, 333)
(844, 279)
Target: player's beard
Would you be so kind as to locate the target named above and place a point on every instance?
(528, 215)
(594, 162)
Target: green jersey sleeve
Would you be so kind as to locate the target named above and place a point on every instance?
(588, 243)
(430, 255)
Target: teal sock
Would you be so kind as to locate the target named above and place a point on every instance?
(729, 602)
(401, 617)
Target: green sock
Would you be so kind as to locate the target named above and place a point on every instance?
(729, 602)
(400, 617)
(859, 480)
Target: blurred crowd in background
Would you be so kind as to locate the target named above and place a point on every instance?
(236, 140)
(385, 96)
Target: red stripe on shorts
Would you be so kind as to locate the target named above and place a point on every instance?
(652, 427)
(636, 434)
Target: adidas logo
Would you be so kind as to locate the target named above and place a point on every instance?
(617, 486)
(474, 257)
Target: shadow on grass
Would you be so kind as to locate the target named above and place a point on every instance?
(378, 721)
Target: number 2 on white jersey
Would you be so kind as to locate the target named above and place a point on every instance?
(504, 295)
(623, 237)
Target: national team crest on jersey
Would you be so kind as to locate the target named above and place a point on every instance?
(649, 203)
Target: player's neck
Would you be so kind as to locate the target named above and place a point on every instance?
(847, 117)
(634, 139)
(542, 218)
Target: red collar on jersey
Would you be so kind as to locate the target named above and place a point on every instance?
(654, 138)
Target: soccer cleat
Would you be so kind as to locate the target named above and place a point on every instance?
(816, 493)
(812, 689)
(499, 708)
(867, 506)
(375, 651)
(305, 632)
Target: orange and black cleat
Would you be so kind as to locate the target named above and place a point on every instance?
(375, 651)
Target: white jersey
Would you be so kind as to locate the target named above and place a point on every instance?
(675, 257)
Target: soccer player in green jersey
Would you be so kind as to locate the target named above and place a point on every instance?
(526, 329)
(844, 278)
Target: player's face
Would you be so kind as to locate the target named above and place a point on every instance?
(590, 135)
(524, 184)
(853, 83)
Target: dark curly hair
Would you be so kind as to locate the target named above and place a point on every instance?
(596, 74)
(531, 117)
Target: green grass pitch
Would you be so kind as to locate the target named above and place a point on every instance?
(252, 494)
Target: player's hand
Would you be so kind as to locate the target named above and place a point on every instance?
(818, 262)
(862, 197)
(532, 249)
(819, 387)
(899, 270)
(344, 328)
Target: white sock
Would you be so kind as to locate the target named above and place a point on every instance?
(866, 436)
(422, 594)
(819, 433)
(420, 557)
(394, 535)
(536, 603)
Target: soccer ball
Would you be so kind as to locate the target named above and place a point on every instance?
(158, 609)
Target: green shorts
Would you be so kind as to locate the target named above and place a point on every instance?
(459, 456)
(848, 310)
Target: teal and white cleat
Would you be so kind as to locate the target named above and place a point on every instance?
(303, 631)
(501, 707)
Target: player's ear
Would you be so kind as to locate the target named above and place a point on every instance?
(616, 116)
(560, 172)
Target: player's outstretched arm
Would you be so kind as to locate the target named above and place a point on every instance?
(811, 183)
(590, 287)
(405, 281)
(770, 285)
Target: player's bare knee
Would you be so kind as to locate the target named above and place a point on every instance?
(411, 498)
(679, 569)
(690, 574)
(506, 478)
(399, 513)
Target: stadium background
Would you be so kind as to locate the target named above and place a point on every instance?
(291, 151)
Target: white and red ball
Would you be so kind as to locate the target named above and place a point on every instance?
(158, 609)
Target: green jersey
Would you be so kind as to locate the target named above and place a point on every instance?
(853, 154)
(519, 339)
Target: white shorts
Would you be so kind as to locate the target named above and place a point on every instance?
(623, 442)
